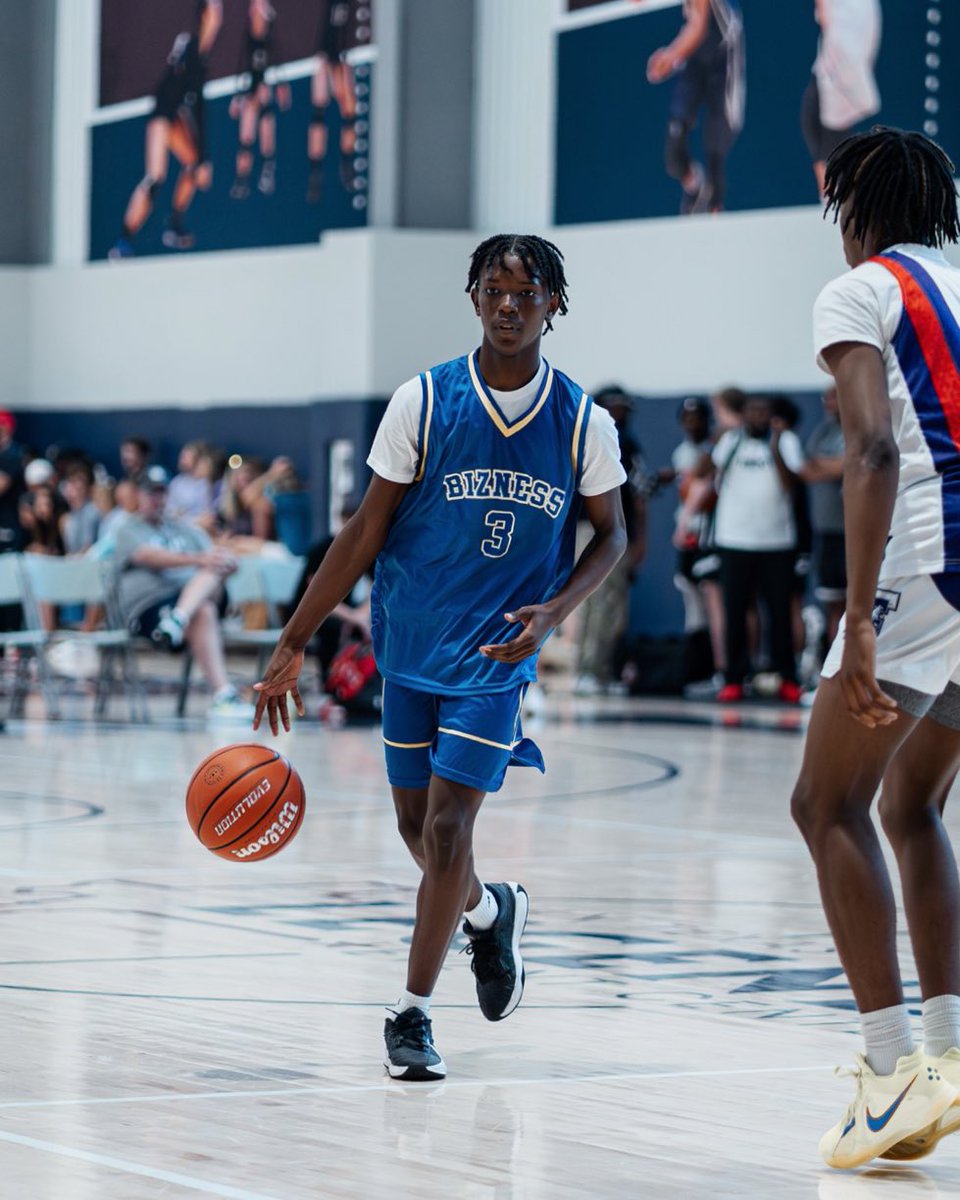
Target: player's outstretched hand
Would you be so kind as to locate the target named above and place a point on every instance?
(281, 676)
(866, 700)
(537, 621)
(660, 66)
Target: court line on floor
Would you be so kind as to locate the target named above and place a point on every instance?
(132, 1168)
(387, 1085)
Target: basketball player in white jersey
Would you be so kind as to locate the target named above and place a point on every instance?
(888, 707)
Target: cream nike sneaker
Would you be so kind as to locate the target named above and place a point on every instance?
(923, 1143)
(886, 1109)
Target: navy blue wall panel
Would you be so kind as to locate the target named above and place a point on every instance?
(611, 122)
(219, 222)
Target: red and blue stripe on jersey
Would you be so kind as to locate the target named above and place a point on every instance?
(927, 346)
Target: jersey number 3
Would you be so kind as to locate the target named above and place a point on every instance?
(500, 525)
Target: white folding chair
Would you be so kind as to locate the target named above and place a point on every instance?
(61, 581)
(268, 581)
(24, 641)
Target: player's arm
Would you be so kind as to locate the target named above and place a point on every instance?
(351, 555)
(606, 548)
(871, 467)
(662, 63)
(210, 24)
(822, 470)
(788, 478)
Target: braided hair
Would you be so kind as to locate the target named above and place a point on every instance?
(541, 260)
(899, 185)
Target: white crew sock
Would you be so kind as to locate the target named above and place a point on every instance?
(412, 1000)
(941, 1024)
(888, 1036)
(485, 913)
(227, 692)
(179, 616)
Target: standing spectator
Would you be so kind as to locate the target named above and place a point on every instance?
(823, 470)
(80, 525)
(134, 456)
(756, 534)
(697, 574)
(605, 613)
(11, 484)
(171, 580)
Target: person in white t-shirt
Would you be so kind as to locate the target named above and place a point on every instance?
(480, 468)
(756, 534)
(843, 89)
(888, 705)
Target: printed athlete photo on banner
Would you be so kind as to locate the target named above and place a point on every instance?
(668, 107)
(229, 125)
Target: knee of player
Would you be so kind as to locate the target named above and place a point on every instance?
(151, 184)
(410, 828)
(447, 834)
(903, 810)
(818, 808)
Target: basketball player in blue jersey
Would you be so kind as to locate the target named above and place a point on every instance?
(707, 58)
(888, 707)
(481, 467)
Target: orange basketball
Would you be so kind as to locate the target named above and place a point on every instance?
(245, 802)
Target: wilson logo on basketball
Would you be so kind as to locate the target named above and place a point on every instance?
(213, 775)
(286, 819)
(243, 806)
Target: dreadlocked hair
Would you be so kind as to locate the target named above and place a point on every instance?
(899, 186)
(541, 260)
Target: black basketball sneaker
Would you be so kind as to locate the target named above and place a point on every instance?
(495, 953)
(411, 1053)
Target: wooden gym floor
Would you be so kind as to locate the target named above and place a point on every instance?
(177, 1026)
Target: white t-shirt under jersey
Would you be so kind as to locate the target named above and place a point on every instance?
(866, 305)
(395, 452)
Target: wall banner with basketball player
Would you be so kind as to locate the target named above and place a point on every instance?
(229, 123)
(689, 106)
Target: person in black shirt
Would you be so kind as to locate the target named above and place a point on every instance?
(254, 106)
(344, 25)
(605, 613)
(176, 127)
(707, 58)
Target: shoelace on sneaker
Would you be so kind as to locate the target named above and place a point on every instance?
(486, 961)
(851, 1073)
(415, 1032)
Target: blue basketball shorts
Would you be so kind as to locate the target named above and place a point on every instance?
(469, 739)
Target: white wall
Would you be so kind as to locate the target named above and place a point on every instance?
(666, 307)
(14, 337)
(210, 329)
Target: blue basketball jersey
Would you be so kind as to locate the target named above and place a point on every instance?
(489, 525)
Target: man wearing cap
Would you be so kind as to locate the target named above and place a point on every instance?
(170, 582)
